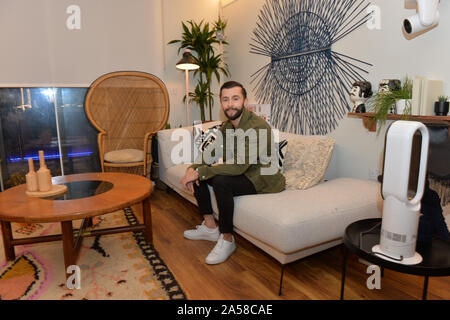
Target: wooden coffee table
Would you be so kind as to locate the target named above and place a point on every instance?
(88, 195)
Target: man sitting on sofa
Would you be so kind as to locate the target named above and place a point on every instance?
(240, 176)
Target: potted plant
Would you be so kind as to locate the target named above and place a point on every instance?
(201, 96)
(201, 39)
(441, 106)
(383, 101)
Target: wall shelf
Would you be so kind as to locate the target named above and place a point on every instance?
(371, 125)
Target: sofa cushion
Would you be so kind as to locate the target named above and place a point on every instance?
(124, 156)
(204, 136)
(282, 149)
(184, 135)
(306, 161)
(292, 220)
(297, 219)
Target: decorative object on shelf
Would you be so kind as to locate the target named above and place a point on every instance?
(370, 124)
(387, 86)
(424, 95)
(187, 63)
(200, 39)
(403, 106)
(306, 81)
(401, 210)
(43, 174)
(360, 92)
(31, 177)
(384, 102)
(425, 19)
(441, 106)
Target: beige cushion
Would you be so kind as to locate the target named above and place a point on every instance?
(293, 220)
(306, 161)
(124, 156)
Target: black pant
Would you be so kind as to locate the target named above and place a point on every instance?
(225, 188)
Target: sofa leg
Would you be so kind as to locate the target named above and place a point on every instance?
(281, 279)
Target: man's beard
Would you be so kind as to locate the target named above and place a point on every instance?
(236, 115)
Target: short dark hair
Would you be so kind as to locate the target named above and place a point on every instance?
(232, 84)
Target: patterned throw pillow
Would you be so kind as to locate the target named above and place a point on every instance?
(282, 148)
(204, 136)
(306, 161)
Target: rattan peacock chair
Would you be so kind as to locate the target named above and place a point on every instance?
(127, 108)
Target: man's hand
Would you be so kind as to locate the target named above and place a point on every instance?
(188, 180)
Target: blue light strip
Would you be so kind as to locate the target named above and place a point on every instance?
(52, 156)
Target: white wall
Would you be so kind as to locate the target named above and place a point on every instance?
(392, 55)
(174, 12)
(38, 49)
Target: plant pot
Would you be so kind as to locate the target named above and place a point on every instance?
(403, 106)
(441, 108)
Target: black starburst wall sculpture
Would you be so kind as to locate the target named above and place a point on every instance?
(306, 82)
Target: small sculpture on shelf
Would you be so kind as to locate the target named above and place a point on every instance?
(441, 106)
(360, 92)
(387, 86)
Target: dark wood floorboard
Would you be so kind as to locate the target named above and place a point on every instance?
(252, 274)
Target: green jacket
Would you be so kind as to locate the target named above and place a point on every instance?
(248, 162)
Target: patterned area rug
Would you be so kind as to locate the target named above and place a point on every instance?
(119, 266)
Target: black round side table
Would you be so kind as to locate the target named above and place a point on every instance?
(361, 236)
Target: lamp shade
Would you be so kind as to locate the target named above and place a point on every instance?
(187, 62)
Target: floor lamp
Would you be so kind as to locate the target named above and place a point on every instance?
(187, 63)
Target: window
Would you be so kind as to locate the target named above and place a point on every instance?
(49, 119)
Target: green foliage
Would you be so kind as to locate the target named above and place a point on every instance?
(442, 98)
(201, 39)
(382, 102)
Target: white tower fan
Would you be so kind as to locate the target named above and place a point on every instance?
(400, 220)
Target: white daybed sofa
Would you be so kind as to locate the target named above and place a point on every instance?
(291, 224)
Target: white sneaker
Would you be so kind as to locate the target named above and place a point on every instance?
(202, 232)
(221, 251)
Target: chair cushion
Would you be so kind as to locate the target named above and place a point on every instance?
(306, 161)
(124, 156)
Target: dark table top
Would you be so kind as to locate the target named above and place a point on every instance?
(436, 255)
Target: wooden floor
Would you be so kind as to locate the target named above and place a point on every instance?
(252, 274)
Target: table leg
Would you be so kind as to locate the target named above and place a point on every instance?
(7, 235)
(344, 266)
(89, 222)
(147, 213)
(67, 238)
(425, 289)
